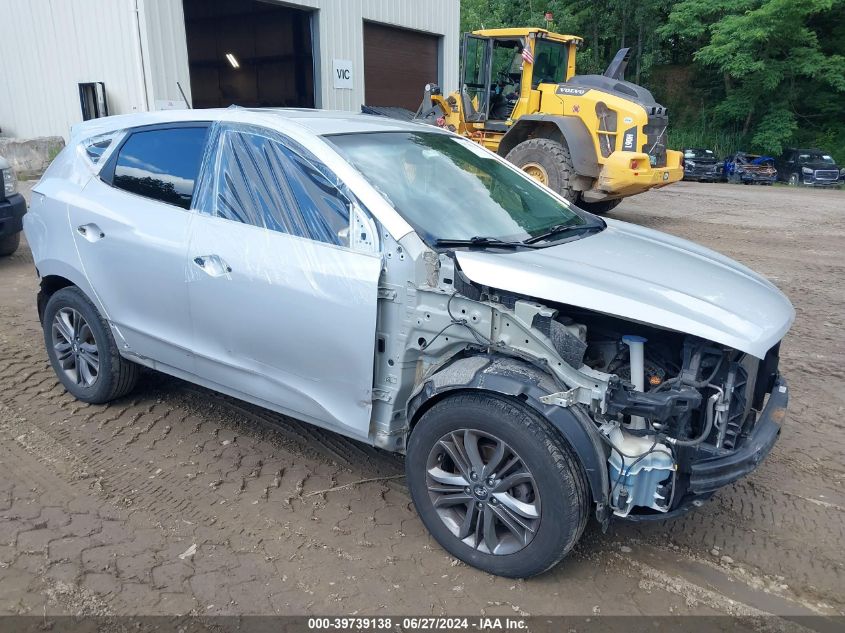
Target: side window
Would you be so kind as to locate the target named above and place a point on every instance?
(96, 146)
(161, 164)
(263, 182)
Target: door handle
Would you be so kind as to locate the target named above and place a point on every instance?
(90, 232)
(212, 264)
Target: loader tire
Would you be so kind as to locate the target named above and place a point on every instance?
(601, 207)
(548, 162)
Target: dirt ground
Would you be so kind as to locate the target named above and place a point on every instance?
(176, 500)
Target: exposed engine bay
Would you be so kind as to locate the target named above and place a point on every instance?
(659, 401)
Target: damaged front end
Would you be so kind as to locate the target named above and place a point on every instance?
(659, 419)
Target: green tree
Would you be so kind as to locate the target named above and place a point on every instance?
(771, 58)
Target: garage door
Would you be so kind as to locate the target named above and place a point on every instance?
(397, 65)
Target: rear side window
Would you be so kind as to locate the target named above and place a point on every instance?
(161, 164)
(262, 181)
(96, 146)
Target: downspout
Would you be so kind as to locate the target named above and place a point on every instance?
(143, 73)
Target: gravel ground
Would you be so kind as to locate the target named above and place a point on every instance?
(176, 500)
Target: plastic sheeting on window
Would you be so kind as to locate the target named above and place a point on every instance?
(260, 179)
(282, 309)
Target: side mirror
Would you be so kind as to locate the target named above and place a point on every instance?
(363, 234)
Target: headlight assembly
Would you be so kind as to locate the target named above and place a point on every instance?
(807, 171)
(10, 182)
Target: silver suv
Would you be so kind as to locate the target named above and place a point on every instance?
(405, 287)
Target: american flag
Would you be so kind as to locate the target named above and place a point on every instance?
(526, 53)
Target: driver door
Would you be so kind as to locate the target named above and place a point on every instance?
(283, 306)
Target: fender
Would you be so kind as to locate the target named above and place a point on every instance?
(48, 268)
(569, 129)
(512, 377)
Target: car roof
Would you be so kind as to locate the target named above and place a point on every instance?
(320, 122)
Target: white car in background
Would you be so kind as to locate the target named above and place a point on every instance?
(404, 287)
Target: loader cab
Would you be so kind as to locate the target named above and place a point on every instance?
(502, 69)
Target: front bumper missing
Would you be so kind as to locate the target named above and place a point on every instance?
(709, 474)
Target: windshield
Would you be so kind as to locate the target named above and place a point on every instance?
(549, 63)
(699, 153)
(815, 157)
(449, 188)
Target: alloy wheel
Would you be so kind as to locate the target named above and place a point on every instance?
(483, 492)
(75, 348)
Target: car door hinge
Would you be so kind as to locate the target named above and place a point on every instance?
(561, 398)
(387, 293)
(381, 394)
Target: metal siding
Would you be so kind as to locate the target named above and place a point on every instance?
(166, 50)
(52, 45)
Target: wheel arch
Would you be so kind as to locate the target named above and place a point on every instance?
(56, 275)
(517, 380)
(568, 130)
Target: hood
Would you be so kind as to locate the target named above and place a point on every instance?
(820, 166)
(702, 161)
(647, 276)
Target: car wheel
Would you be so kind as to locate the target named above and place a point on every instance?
(793, 180)
(495, 485)
(548, 162)
(9, 244)
(82, 350)
(601, 207)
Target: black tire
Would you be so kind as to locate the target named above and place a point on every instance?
(601, 207)
(794, 180)
(115, 376)
(558, 476)
(9, 244)
(553, 158)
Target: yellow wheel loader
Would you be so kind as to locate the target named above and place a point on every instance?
(594, 139)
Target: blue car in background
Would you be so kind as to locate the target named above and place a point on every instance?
(747, 169)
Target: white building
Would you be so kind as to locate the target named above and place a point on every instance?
(67, 60)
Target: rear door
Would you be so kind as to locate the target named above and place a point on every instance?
(284, 309)
(131, 231)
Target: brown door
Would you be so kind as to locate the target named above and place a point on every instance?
(398, 63)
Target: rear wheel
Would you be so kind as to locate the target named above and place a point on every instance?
(82, 350)
(601, 207)
(9, 244)
(548, 162)
(495, 485)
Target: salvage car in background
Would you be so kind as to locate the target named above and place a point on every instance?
(702, 165)
(513, 346)
(12, 210)
(809, 167)
(750, 169)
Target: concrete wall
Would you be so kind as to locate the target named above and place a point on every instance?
(29, 158)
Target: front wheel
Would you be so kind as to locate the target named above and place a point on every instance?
(9, 244)
(793, 180)
(495, 485)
